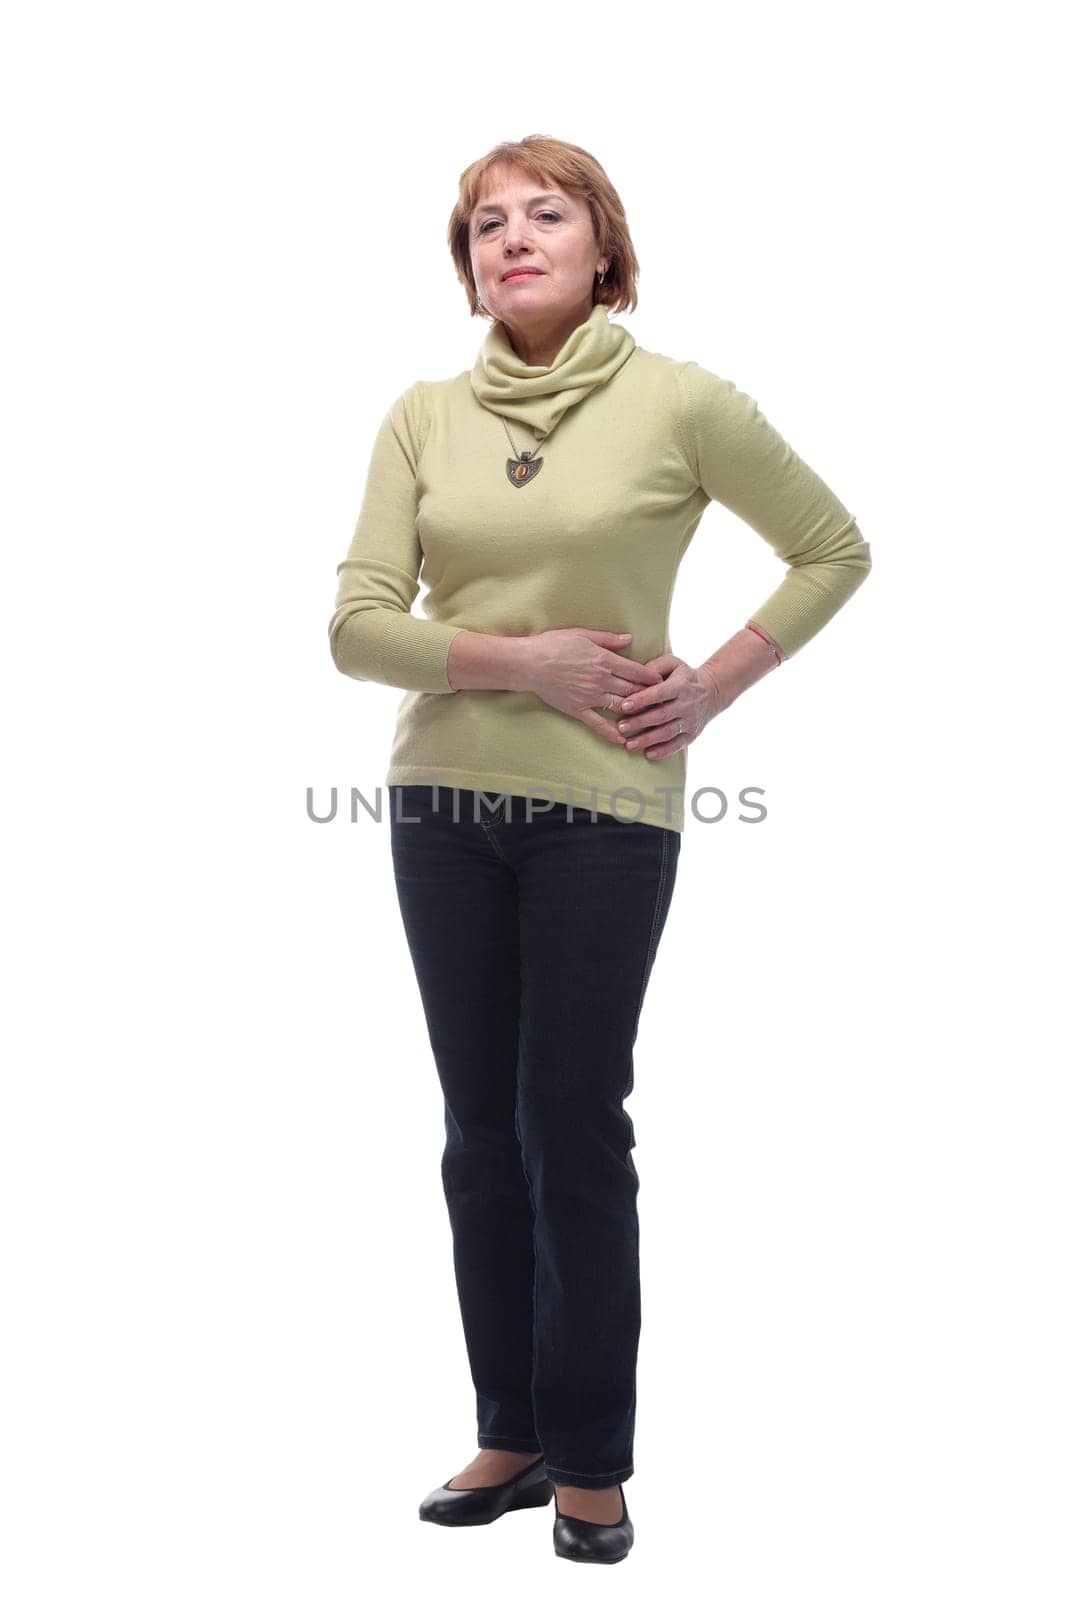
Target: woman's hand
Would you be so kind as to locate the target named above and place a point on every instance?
(691, 695)
(579, 671)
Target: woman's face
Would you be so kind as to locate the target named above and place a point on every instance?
(521, 221)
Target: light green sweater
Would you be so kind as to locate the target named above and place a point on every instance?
(635, 447)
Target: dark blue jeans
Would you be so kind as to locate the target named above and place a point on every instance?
(533, 939)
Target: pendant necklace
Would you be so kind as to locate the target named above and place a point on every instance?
(523, 469)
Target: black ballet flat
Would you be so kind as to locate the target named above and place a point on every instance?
(579, 1540)
(471, 1508)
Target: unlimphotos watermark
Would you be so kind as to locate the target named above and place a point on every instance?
(535, 801)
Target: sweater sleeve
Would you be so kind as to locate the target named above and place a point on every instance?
(739, 459)
(372, 634)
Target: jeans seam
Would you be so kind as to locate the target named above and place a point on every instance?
(513, 1438)
(495, 817)
(654, 920)
(592, 1477)
(491, 837)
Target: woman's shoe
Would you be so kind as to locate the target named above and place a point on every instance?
(470, 1508)
(579, 1540)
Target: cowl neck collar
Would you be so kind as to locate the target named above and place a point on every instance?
(538, 397)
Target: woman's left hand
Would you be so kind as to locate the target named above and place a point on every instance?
(650, 716)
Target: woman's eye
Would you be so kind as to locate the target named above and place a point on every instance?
(485, 226)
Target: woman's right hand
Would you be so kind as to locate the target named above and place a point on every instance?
(578, 670)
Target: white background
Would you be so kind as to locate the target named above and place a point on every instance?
(233, 1362)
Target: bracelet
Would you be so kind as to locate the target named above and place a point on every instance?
(755, 629)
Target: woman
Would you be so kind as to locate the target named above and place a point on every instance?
(536, 785)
